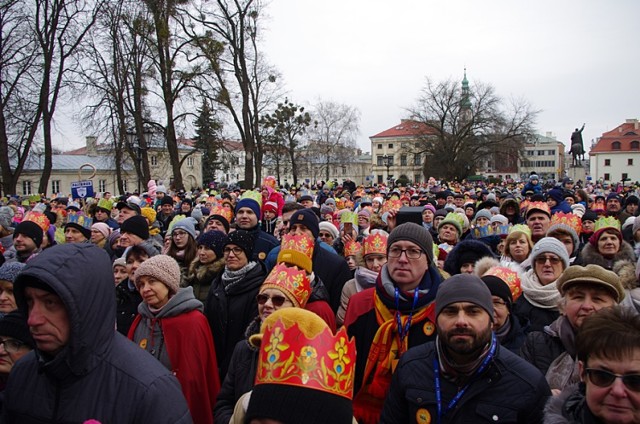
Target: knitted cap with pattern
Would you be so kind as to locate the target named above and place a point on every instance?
(10, 270)
(550, 245)
(163, 268)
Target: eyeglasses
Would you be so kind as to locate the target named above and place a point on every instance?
(327, 235)
(499, 304)
(602, 378)
(179, 234)
(277, 301)
(11, 345)
(396, 252)
(236, 251)
(543, 260)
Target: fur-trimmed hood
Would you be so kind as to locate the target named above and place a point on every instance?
(462, 252)
(623, 263)
(204, 273)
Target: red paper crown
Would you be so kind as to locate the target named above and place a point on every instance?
(374, 244)
(223, 212)
(392, 204)
(38, 218)
(568, 219)
(297, 249)
(510, 277)
(269, 181)
(293, 282)
(352, 248)
(291, 357)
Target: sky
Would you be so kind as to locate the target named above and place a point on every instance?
(575, 61)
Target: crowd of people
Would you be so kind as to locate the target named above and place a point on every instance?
(333, 303)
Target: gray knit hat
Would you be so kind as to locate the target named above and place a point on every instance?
(163, 268)
(550, 245)
(414, 233)
(6, 215)
(483, 213)
(10, 270)
(567, 229)
(188, 225)
(464, 288)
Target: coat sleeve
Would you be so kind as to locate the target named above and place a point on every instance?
(540, 397)
(163, 402)
(227, 396)
(395, 409)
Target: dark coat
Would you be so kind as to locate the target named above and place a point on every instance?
(201, 276)
(100, 374)
(265, 242)
(127, 301)
(230, 312)
(510, 389)
(537, 317)
(516, 335)
(540, 349)
(569, 407)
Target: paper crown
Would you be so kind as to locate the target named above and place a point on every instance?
(349, 216)
(539, 206)
(501, 230)
(569, 219)
(269, 181)
(340, 203)
(374, 244)
(297, 249)
(105, 204)
(524, 205)
(352, 248)
(598, 205)
(294, 354)
(226, 213)
(293, 282)
(38, 218)
(482, 231)
(80, 219)
(521, 228)
(606, 222)
(510, 277)
(392, 204)
(254, 195)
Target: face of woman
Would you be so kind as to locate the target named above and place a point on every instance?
(154, 293)
(270, 300)
(519, 248)
(481, 221)
(10, 351)
(427, 216)
(548, 267)
(234, 256)
(133, 262)
(206, 255)
(500, 312)
(96, 236)
(448, 234)
(583, 300)
(7, 300)
(119, 274)
(608, 244)
(375, 262)
(351, 261)
(180, 238)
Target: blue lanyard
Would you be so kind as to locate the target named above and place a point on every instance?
(403, 331)
(458, 396)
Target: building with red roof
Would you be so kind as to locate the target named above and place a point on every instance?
(616, 155)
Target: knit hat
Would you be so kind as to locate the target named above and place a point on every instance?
(430, 207)
(464, 288)
(614, 196)
(137, 225)
(251, 204)
(592, 275)
(31, 230)
(6, 216)
(550, 245)
(328, 226)
(454, 219)
(152, 188)
(270, 206)
(104, 229)
(628, 222)
(500, 219)
(166, 200)
(214, 240)
(164, 269)
(222, 219)
(589, 215)
(533, 177)
(414, 233)
(498, 288)
(291, 281)
(161, 189)
(245, 240)
(119, 262)
(188, 225)
(10, 270)
(636, 225)
(556, 194)
(149, 213)
(14, 325)
(483, 213)
(578, 209)
(307, 218)
(466, 251)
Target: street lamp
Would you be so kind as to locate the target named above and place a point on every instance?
(387, 161)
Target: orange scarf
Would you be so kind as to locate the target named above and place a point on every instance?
(385, 352)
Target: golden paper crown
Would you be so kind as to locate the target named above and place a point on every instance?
(374, 244)
(510, 277)
(339, 203)
(607, 222)
(522, 228)
(223, 212)
(292, 353)
(105, 204)
(293, 282)
(252, 194)
(541, 206)
(352, 248)
(569, 219)
(80, 219)
(38, 218)
(392, 204)
(598, 205)
(297, 249)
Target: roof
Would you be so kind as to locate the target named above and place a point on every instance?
(407, 128)
(71, 162)
(625, 134)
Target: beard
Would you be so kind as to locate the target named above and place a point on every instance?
(474, 343)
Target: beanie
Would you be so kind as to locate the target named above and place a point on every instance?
(119, 262)
(556, 194)
(430, 207)
(222, 219)
(14, 325)
(197, 214)
(245, 240)
(498, 288)
(10, 270)
(464, 288)
(214, 240)
(103, 228)
(248, 202)
(163, 268)
(589, 215)
(328, 226)
(6, 216)
(136, 225)
(483, 213)
(614, 196)
(500, 219)
(550, 245)
(271, 207)
(166, 200)
(188, 225)
(578, 209)
(414, 233)
(31, 230)
(149, 213)
(307, 218)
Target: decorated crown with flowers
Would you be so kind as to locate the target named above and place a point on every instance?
(297, 249)
(226, 213)
(510, 277)
(392, 204)
(374, 244)
(290, 280)
(539, 206)
(607, 222)
(80, 219)
(39, 218)
(569, 219)
(352, 248)
(305, 353)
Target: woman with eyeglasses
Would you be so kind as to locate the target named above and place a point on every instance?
(608, 349)
(285, 287)
(538, 304)
(231, 303)
(183, 247)
(15, 342)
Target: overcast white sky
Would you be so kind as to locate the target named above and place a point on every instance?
(577, 61)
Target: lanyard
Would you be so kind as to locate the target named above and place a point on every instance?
(403, 331)
(458, 396)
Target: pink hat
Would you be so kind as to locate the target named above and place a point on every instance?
(104, 229)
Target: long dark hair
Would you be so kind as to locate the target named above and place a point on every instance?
(190, 251)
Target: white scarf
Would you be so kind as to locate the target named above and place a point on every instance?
(545, 297)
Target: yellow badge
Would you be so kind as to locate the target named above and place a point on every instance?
(423, 416)
(262, 255)
(428, 328)
(143, 343)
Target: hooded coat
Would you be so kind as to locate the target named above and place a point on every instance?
(99, 374)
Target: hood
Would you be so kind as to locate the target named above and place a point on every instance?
(181, 302)
(82, 276)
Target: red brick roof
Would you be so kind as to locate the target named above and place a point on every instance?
(624, 134)
(407, 128)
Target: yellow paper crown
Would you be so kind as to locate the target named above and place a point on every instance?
(607, 222)
(80, 219)
(392, 204)
(254, 195)
(297, 249)
(541, 206)
(522, 228)
(352, 248)
(569, 219)
(374, 244)
(105, 204)
(293, 282)
(223, 212)
(38, 218)
(304, 353)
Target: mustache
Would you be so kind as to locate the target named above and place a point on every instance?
(461, 332)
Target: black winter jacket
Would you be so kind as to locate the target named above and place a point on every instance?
(509, 391)
(99, 374)
(127, 301)
(540, 349)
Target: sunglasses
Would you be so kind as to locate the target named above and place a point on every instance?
(602, 378)
(543, 260)
(277, 301)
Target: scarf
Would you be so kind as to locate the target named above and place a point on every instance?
(544, 297)
(458, 373)
(365, 278)
(231, 278)
(503, 331)
(388, 345)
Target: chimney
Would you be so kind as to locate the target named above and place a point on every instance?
(549, 134)
(91, 142)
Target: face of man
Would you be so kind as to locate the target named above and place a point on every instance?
(129, 239)
(246, 218)
(101, 215)
(166, 209)
(185, 207)
(406, 272)
(215, 224)
(538, 223)
(632, 208)
(47, 319)
(464, 328)
(613, 205)
(296, 229)
(306, 203)
(458, 201)
(73, 235)
(124, 214)
(23, 244)
(286, 218)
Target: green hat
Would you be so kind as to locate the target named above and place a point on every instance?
(105, 204)
(454, 219)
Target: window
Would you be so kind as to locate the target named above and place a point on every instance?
(380, 146)
(607, 177)
(379, 179)
(380, 161)
(55, 186)
(615, 145)
(190, 161)
(26, 188)
(391, 145)
(417, 178)
(551, 152)
(635, 145)
(530, 152)
(625, 176)
(607, 162)
(154, 160)
(630, 162)
(417, 160)
(403, 160)
(102, 186)
(540, 152)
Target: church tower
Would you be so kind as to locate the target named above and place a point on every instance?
(465, 101)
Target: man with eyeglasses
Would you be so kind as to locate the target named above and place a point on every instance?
(608, 348)
(393, 316)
